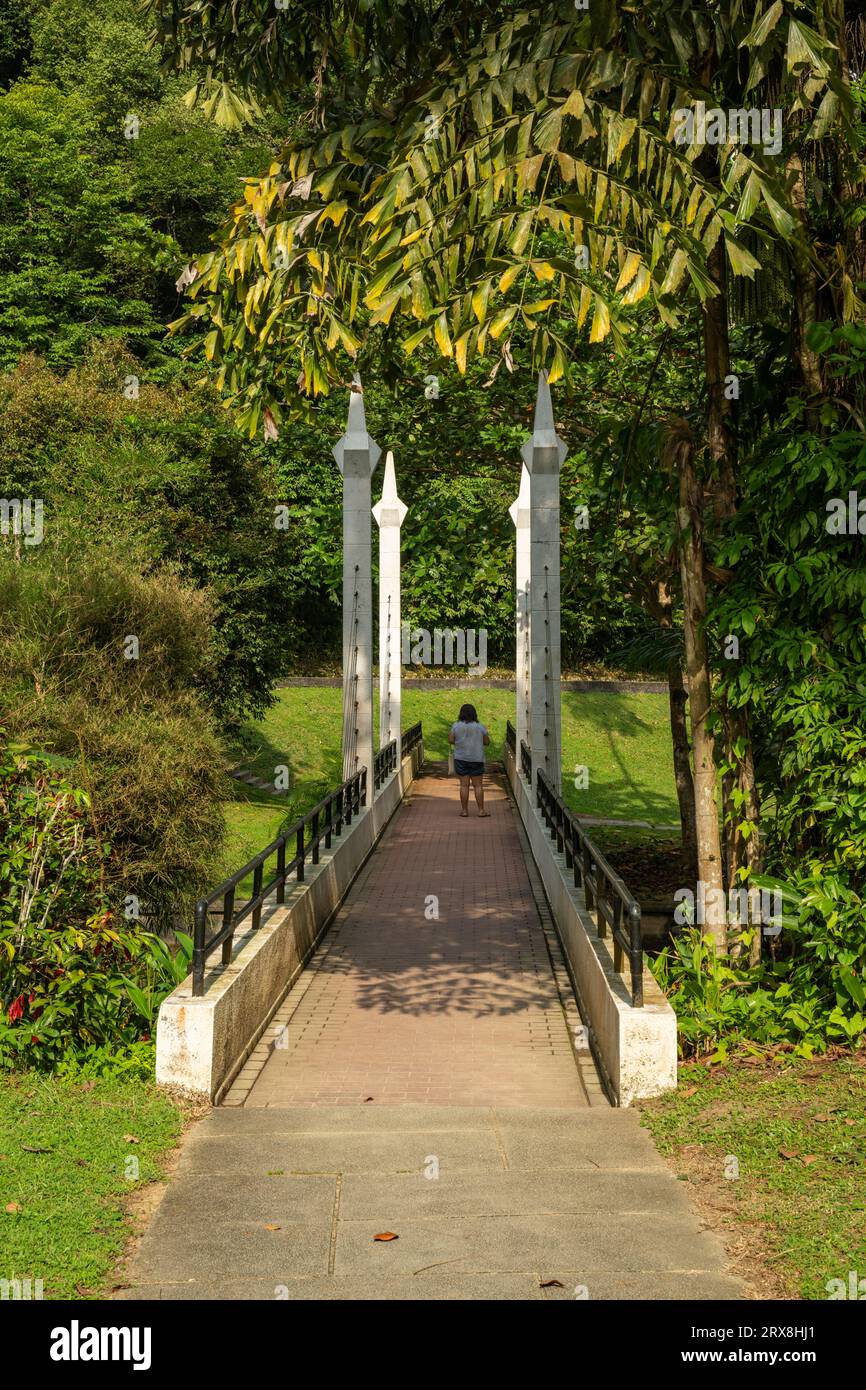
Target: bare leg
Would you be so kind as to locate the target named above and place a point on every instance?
(464, 796)
(478, 784)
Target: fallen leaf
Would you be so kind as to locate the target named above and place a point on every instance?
(34, 1149)
(689, 1091)
(554, 1283)
(386, 1235)
(810, 1158)
(88, 1085)
(822, 1118)
(12, 1207)
(849, 1122)
(130, 1139)
(788, 1153)
(270, 1226)
(83, 1290)
(366, 1098)
(82, 1162)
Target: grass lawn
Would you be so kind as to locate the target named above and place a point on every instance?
(795, 1132)
(623, 740)
(65, 1151)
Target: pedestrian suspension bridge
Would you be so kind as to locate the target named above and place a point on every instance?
(421, 1034)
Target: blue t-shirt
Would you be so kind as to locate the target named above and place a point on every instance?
(468, 741)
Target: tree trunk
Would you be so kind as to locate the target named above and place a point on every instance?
(805, 293)
(717, 369)
(691, 553)
(683, 770)
(658, 600)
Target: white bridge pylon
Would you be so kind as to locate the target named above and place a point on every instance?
(543, 454)
(357, 455)
(390, 513)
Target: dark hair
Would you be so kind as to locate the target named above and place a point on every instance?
(467, 714)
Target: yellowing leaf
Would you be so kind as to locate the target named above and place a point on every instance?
(600, 321)
(414, 340)
(502, 320)
(639, 287)
(442, 336)
(334, 212)
(574, 105)
(538, 306)
(585, 301)
(480, 296)
(557, 367)
(629, 270)
(508, 277)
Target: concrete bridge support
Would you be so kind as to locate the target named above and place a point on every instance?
(543, 454)
(357, 454)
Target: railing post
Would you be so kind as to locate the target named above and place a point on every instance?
(616, 904)
(199, 937)
(281, 872)
(257, 888)
(329, 821)
(587, 880)
(228, 914)
(636, 957)
(314, 827)
(300, 852)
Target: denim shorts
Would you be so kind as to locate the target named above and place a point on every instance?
(465, 769)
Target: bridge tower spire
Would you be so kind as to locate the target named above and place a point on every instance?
(543, 453)
(519, 513)
(390, 513)
(357, 455)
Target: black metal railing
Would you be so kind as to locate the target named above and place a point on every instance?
(526, 762)
(411, 739)
(605, 893)
(511, 737)
(323, 822)
(384, 763)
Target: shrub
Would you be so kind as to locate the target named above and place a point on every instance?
(61, 956)
(80, 986)
(137, 731)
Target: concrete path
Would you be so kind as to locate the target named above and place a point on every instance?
(420, 1081)
(485, 1203)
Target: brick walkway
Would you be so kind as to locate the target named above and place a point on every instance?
(398, 1006)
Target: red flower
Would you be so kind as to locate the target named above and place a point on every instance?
(16, 1009)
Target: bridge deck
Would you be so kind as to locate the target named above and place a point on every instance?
(437, 983)
(428, 1091)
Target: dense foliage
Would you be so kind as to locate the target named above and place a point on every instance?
(72, 971)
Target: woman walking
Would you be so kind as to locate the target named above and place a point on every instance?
(469, 739)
